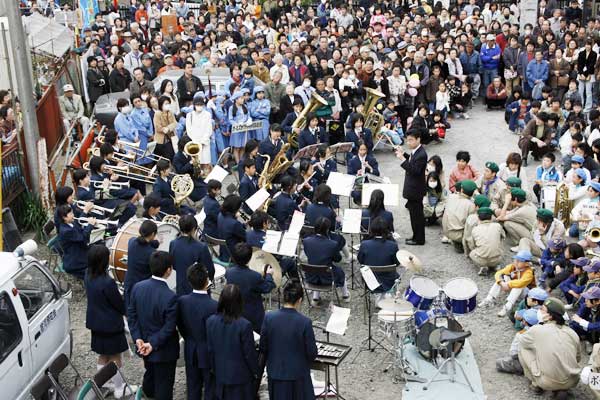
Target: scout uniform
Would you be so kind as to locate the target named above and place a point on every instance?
(538, 241)
(521, 220)
(473, 220)
(485, 244)
(495, 188)
(458, 208)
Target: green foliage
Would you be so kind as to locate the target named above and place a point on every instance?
(30, 215)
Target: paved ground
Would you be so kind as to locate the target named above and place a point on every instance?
(485, 135)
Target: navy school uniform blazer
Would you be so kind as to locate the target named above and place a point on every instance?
(182, 165)
(163, 189)
(186, 251)
(321, 176)
(366, 136)
(287, 340)
(152, 317)
(355, 165)
(252, 286)
(316, 210)
(266, 147)
(288, 121)
(193, 311)
(77, 212)
(284, 210)
(321, 250)
(248, 186)
(74, 241)
(105, 306)
(367, 218)
(231, 351)
(211, 208)
(379, 252)
(138, 263)
(255, 238)
(232, 231)
(306, 138)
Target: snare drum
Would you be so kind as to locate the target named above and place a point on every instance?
(421, 292)
(461, 295)
(394, 324)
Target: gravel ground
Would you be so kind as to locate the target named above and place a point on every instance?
(486, 136)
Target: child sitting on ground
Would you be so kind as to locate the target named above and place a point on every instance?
(440, 123)
(587, 320)
(514, 279)
(572, 287)
(535, 299)
(553, 255)
(511, 364)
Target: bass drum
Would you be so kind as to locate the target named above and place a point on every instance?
(119, 247)
(429, 330)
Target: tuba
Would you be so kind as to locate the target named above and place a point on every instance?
(193, 150)
(373, 119)
(314, 103)
(562, 204)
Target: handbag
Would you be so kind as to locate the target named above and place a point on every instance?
(509, 74)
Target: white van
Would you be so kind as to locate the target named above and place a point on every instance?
(34, 323)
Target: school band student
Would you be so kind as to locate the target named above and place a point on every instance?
(285, 204)
(228, 227)
(232, 353)
(185, 251)
(212, 208)
(152, 317)
(193, 311)
(74, 241)
(287, 341)
(139, 250)
(251, 283)
(104, 317)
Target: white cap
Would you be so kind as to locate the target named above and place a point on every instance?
(68, 88)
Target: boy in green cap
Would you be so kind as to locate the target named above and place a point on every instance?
(547, 228)
(520, 220)
(484, 246)
(473, 220)
(458, 208)
(491, 186)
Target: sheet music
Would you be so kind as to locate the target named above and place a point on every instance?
(391, 193)
(289, 244)
(200, 217)
(258, 199)
(352, 220)
(338, 321)
(369, 278)
(217, 173)
(341, 184)
(271, 244)
(297, 222)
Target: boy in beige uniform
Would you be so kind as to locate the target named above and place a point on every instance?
(547, 228)
(473, 220)
(491, 186)
(485, 244)
(458, 208)
(520, 221)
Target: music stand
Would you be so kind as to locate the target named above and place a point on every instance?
(325, 363)
(367, 295)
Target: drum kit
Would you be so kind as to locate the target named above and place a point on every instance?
(118, 247)
(421, 317)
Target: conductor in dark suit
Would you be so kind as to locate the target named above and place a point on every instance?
(415, 185)
(193, 311)
(287, 341)
(152, 317)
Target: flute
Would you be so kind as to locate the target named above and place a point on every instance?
(84, 220)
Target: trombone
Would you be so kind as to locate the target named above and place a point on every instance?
(85, 220)
(123, 172)
(95, 209)
(135, 149)
(111, 185)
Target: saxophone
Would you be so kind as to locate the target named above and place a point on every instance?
(562, 204)
(274, 167)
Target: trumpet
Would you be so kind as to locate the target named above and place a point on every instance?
(95, 209)
(85, 220)
(111, 185)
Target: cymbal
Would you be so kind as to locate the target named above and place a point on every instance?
(260, 258)
(409, 261)
(395, 305)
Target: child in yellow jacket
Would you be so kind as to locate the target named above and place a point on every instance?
(513, 278)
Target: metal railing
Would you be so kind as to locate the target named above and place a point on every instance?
(13, 176)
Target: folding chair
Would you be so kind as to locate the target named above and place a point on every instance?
(41, 389)
(213, 242)
(383, 139)
(317, 270)
(105, 374)
(59, 365)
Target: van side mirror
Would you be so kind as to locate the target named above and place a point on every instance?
(65, 290)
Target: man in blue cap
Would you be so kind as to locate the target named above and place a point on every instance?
(514, 278)
(587, 320)
(511, 364)
(586, 209)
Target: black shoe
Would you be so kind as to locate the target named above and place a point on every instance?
(406, 241)
(412, 242)
(525, 161)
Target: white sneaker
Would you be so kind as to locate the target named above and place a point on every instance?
(445, 240)
(568, 306)
(466, 116)
(485, 303)
(125, 391)
(514, 249)
(483, 271)
(502, 312)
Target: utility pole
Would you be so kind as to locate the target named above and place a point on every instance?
(25, 88)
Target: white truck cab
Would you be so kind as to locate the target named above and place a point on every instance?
(34, 323)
